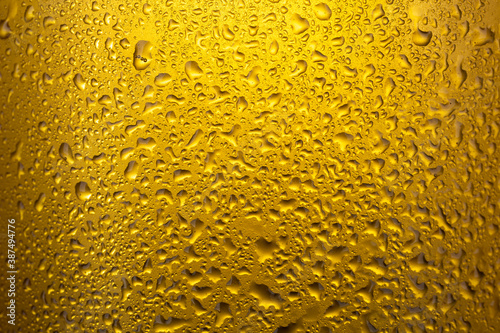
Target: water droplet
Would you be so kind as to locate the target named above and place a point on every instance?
(274, 47)
(142, 54)
(422, 38)
(79, 81)
(322, 11)
(66, 153)
(5, 30)
(161, 80)
(132, 170)
(29, 14)
(193, 70)
(83, 191)
(40, 202)
(299, 24)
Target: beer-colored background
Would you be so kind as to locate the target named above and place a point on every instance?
(251, 166)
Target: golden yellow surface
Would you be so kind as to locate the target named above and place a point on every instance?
(251, 166)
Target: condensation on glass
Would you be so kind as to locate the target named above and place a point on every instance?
(252, 165)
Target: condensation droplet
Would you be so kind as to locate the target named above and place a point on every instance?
(193, 70)
(83, 191)
(422, 38)
(299, 24)
(142, 54)
(322, 11)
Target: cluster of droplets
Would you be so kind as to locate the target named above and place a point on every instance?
(254, 166)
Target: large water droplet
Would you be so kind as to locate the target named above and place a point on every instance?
(142, 54)
(193, 70)
(322, 11)
(83, 191)
(422, 38)
(299, 24)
